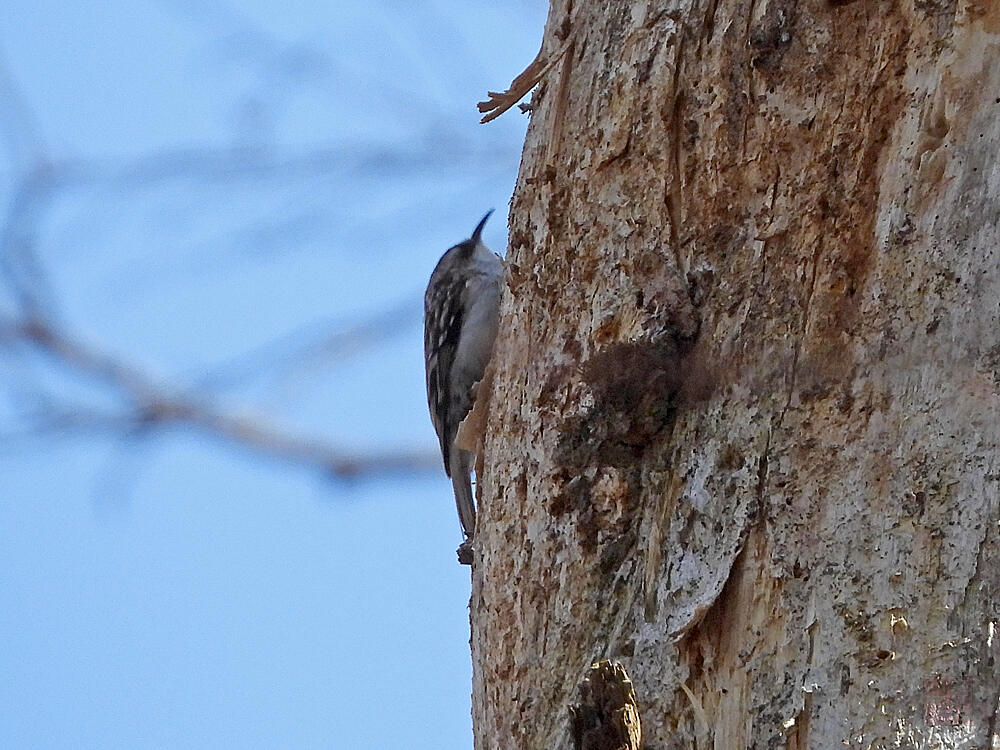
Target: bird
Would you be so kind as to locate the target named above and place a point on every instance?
(461, 318)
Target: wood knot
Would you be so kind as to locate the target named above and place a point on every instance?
(606, 718)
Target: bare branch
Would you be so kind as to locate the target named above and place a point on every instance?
(153, 404)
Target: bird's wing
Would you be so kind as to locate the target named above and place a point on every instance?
(439, 356)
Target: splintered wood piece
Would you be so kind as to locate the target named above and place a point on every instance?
(498, 103)
(471, 430)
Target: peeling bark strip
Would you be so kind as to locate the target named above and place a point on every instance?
(606, 718)
(744, 433)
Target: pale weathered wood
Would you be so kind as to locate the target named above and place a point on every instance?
(744, 427)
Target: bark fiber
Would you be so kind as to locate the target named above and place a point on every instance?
(745, 415)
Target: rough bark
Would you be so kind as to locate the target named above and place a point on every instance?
(744, 425)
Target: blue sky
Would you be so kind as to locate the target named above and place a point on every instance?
(231, 175)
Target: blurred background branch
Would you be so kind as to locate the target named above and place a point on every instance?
(148, 404)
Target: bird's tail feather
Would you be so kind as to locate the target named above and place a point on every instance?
(461, 466)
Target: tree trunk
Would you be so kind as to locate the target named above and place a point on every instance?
(744, 425)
